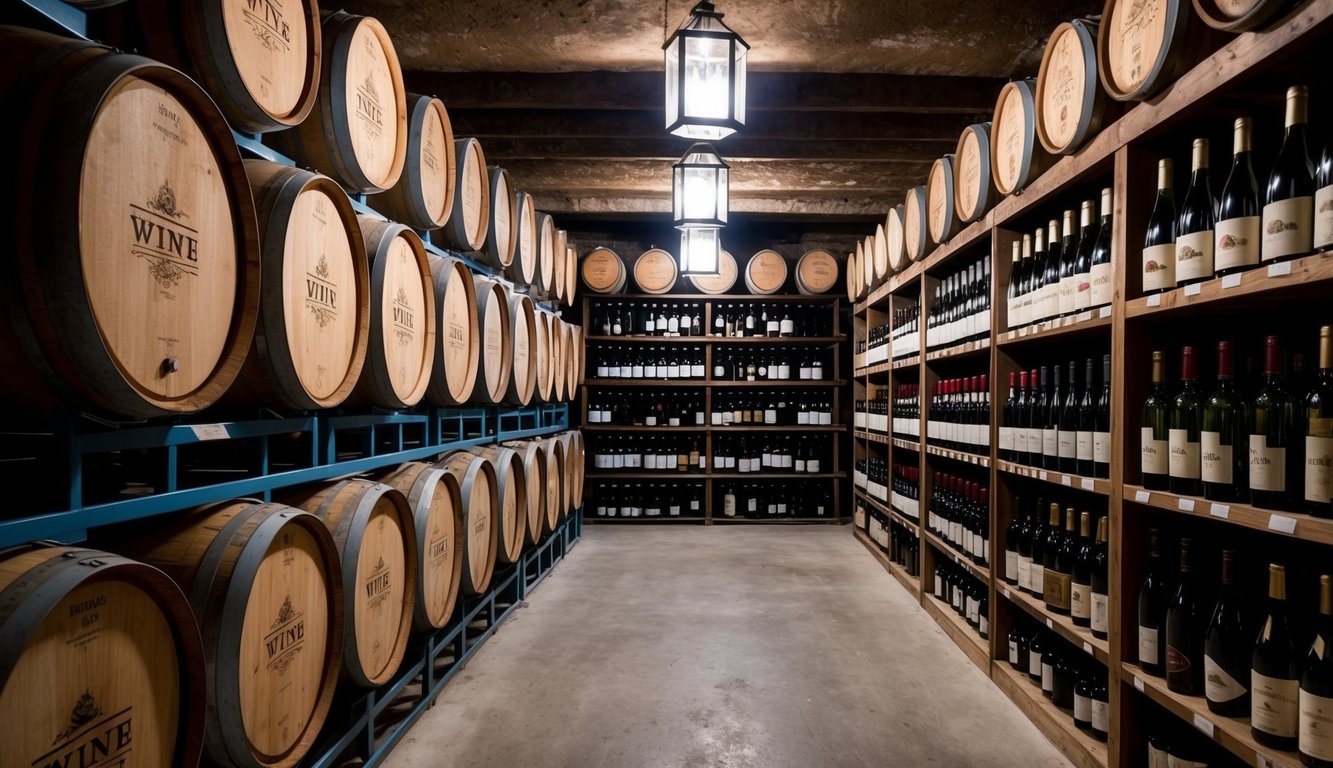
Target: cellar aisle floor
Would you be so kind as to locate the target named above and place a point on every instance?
(724, 647)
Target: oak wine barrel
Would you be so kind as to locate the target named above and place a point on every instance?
(546, 238)
(765, 273)
(542, 351)
(868, 262)
(533, 456)
(457, 340)
(1070, 101)
(374, 530)
(557, 350)
(522, 382)
(1239, 15)
(604, 271)
(974, 190)
(1017, 158)
(511, 495)
(655, 271)
(502, 228)
(941, 216)
(572, 357)
(853, 279)
(477, 486)
(571, 274)
(357, 130)
(437, 511)
(555, 482)
(424, 194)
(495, 338)
(265, 584)
(314, 315)
(469, 221)
(129, 288)
(895, 236)
(723, 281)
(1141, 46)
(572, 440)
(402, 344)
(523, 270)
(880, 266)
(916, 231)
(558, 272)
(99, 657)
(816, 272)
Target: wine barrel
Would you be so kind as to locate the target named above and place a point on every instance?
(916, 232)
(437, 511)
(496, 339)
(723, 281)
(1140, 46)
(502, 228)
(868, 262)
(655, 271)
(129, 288)
(558, 273)
(424, 194)
(580, 467)
(941, 215)
(260, 62)
(357, 130)
(556, 495)
(402, 317)
(457, 340)
(477, 485)
(572, 442)
(533, 456)
(557, 350)
(469, 221)
(816, 272)
(571, 355)
(1017, 159)
(523, 368)
(895, 235)
(265, 584)
(545, 369)
(1069, 98)
(1239, 15)
(546, 237)
(974, 190)
(511, 494)
(766, 273)
(603, 271)
(853, 278)
(523, 270)
(880, 265)
(571, 274)
(314, 315)
(376, 535)
(99, 655)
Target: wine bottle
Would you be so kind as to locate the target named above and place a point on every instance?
(1103, 283)
(1238, 221)
(1323, 200)
(1036, 649)
(1045, 540)
(1040, 286)
(1271, 419)
(1101, 619)
(1316, 691)
(1060, 563)
(1194, 231)
(1050, 418)
(1012, 319)
(1101, 709)
(1067, 436)
(1083, 700)
(1080, 590)
(1319, 432)
(1087, 240)
(1035, 418)
(1288, 216)
(1152, 608)
(1226, 654)
(1186, 419)
(1052, 272)
(1087, 425)
(1012, 534)
(1275, 675)
(1027, 534)
(1101, 436)
(1185, 627)
(1224, 452)
(1159, 243)
(1008, 416)
(1068, 256)
(1154, 431)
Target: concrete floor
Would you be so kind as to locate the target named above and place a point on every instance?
(724, 647)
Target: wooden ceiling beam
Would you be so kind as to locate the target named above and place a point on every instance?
(500, 149)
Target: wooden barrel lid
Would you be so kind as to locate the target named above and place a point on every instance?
(974, 186)
(1016, 157)
(1238, 15)
(1069, 97)
(571, 274)
(495, 337)
(502, 232)
(655, 271)
(534, 471)
(523, 271)
(556, 449)
(457, 341)
(766, 272)
(916, 235)
(469, 221)
(424, 194)
(557, 351)
(523, 370)
(546, 238)
(1136, 44)
(559, 250)
(816, 272)
(723, 281)
(401, 351)
(477, 483)
(571, 361)
(545, 373)
(853, 278)
(941, 217)
(434, 497)
(511, 489)
(894, 235)
(881, 254)
(867, 261)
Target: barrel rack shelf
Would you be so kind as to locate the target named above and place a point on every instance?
(1123, 158)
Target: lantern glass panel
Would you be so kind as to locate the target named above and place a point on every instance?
(699, 249)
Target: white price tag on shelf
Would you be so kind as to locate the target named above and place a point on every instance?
(1219, 510)
(1282, 524)
(1142, 497)
(1231, 281)
(1087, 648)
(1264, 761)
(210, 431)
(1049, 625)
(1104, 311)
(1083, 316)
(1194, 289)
(1186, 505)
(1022, 331)
(1005, 592)
(1042, 475)
(1204, 725)
(1066, 480)
(1281, 269)
(1138, 684)
(1087, 484)
(1155, 300)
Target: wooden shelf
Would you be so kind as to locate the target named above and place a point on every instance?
(906, 362)
(874, 370)
(1284, 280)
(978, 571)
(1232, 733)
(959, 350)
(1095, 485)
(1294, 524)
(873, 437)
(970, 458)
(906, 445)
(1079, 746)
(962, 633)
(911, 583)
(898, 517)
(1073, 325)
(1063, 626)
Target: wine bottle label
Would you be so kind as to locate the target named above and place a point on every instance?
(1316, 726)
(1020, 440)
(1103, 284)
(1153, 454)
(1034, 440)
(1288, 228)
(1157, 758)
(1215, 458)
(1194, 256)
(1006, 438)
(1025, 573)
(729, 505)
(1080, 601)
(1323, 217)
(1066, 445)
(1082, 709)
(1148, 651)
(1101, 447)
(1268, 465)
(1159, 267)
(1047, 678)
(1318, 457)
(1100, 613)
(1177, 663)
(1034, 664)
(1011, 564)
(1274, 708)
(1050, 442)
(1237, 242)
(1101, 716)
(1184, 455)
(1082, 291)
(1055, 589)
(1083, 446)
(603, 372)
(1068, 287)
(1013, 653)
(1219, 686)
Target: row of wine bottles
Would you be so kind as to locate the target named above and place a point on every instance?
(907, 411)
(769, 453)
(617, 499)
(1248, 226)
(873, 414)
(905, 339)
(1059, 422)
(876, 345)
(1067, 676)
(1059, 271)
(647, 453)
(963, 592)
(771, 501)
(902, 546)
(959, 415)
(655, 319)
(960, 310)
(1272, 449)
(771, 408)
(643, 408)
(959, 513)
(665, 363)
(1060, 562)
(905, 494)
(771, 364)
(1173, 744)
(770, 320)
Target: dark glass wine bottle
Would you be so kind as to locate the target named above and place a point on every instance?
(1067, 437)
(1194, 230)
(1323, 200)
(1051, 275)
(1060, 565)
(1101, 710)
(1087, 240)
(1238, 221)
(1080, 590)
(1275, 672)
(1316, 692)
(1183, 436)
(1027, 535)
(1012, 533)
(1159, 242)
(1288, 216)
(1101, 618)
(1318, 424)
(1273, 454)
(1068, 256)
(1226, 654)
(1103, 282)
(1050, 433)
(1012, 319)
(1185, 628)
(1101, 436)
(1224, 449)
(1151, 611)
(1154, 441)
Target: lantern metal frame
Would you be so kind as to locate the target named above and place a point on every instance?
(700, 250)
(700, 188)
(686, 113)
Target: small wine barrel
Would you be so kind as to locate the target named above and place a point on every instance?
(314, 314)
(523, 270)
(424, 194)
(556, 495)
(545, 369)
(99, 655)
(511, 493)
(129, 287)
(558, 272)
(260, 62)
(1070, 101)
(816, 272)
(266, 587)
(974, 190)
(523, 369)
(723, 281)
(502, 229)
(533, 456)
(437, 510)
(868, 262)
(572, 440)
(916, 233)
(1239, 15)
(895, 235)
(469, 221)
(496, 341)
(546, 238)
(402, 345)
(766, 273)
(1016, 157)
(881, 266)
(557, 351)
(571, 274)
(655, 271)
(477, 485)
(457, 341)
(853, 278)
(1139, 46)
(357, 131)
(572, 361)
(376, 535)
(941, 215)
(603, 271)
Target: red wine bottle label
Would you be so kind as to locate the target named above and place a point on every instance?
(1219, 686)
(1238, 242)
(1318, 458)
(1082, 709)
(1323, 217)
(1050, 442)
(1153, 454)
(1159, 267)
(1147, 645)
(1101, 447)
(1177, 663)
(1183, 461)
(1316, 726)
(1103, 284)
(1194, 256)
(1100, 613)
(1068, 287)
(1288, 228)
(1274, 707)
(1056, 590)
(1025, 573)
(1216, 458)
(1268, 465)
(1101, 716)
(1066, 444)
(1080, 600)
(1082, 291)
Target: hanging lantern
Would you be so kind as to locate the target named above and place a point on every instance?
(705, 77)
(699, 185)
(700, 250)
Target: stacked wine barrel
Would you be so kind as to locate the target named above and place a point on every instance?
(605, 272)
